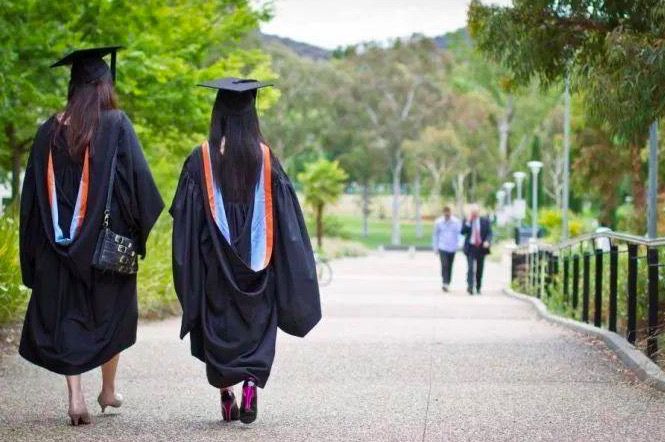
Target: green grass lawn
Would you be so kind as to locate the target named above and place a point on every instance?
(379, 232)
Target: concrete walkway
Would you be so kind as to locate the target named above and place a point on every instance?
(394, 359)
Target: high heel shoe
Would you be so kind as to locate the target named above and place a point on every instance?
(249, 404)
(116, 402)
(229, 405)
(79, 415)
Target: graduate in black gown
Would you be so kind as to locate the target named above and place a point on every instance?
(79, 318)
(242, 259)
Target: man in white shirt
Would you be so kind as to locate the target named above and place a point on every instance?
(445, 240)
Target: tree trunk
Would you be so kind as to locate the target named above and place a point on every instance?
(319, 226)
(458, 186)
(365, 210)
(417, 205)
(397, 194)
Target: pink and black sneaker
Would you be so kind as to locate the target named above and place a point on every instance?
(249, 405)
(229, 405)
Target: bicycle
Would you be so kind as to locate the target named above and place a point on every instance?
(324, 271)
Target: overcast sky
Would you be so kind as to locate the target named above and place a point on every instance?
(332, 23)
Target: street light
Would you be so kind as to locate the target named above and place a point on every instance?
(508, 187)
(519, 206)
(500, 209)
(519, 179)
(535, 167)
(500, 196)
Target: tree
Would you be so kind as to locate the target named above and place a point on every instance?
(612, 50)
(300, 124)
(364, 162)
(398, 88)
(157, 70)
(436, 151)
(323, 183)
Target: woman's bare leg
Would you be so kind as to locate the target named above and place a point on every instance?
(108, 396)
(78, 410)
(109, 370)
(75, 390)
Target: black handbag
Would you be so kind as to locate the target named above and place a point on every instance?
(114, 252)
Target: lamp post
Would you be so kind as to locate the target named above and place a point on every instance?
(499, 209)
(652, 200)
(500, 196)
(508, 187)
(535, 167)
(519, 207)
(519, 179)
(566, 162)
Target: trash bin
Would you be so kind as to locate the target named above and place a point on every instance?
(523, 234)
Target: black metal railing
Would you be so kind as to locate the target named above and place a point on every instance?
(609, 279)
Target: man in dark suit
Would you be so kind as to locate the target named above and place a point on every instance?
(477, 233)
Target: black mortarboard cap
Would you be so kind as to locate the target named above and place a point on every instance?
(233, 84)
(88, 65)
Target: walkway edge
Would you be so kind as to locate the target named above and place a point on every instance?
(636, 361)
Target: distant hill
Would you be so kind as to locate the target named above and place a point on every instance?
(302, 49)
(444, 41)
(317, 53)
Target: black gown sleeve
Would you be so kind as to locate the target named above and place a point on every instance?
(188, 266)
(29, 219)
(147, 203)
(297, 288)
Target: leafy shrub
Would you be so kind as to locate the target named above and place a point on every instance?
(333, 227)
(156, 293)
(13, 294)
(551, 219)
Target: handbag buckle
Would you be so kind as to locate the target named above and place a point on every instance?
(118, 239)
(122, 249)
(123, 259)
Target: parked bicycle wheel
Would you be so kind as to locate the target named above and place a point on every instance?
(323, 271)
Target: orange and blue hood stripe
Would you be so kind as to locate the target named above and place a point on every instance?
(81, 202)
(262, 216)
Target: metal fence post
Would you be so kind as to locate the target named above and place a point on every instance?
(652, 330)
(529, 278)
(576, 280)
(614, 276)
(539, 270)
(528, 273)
(566, 260)
(586, 283)
(512, 268)
(598, 289)
(632, 293)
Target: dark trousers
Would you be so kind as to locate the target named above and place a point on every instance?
(476, 262)
(447, 259)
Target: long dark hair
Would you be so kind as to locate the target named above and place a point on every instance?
(235, 121)
(80, 119)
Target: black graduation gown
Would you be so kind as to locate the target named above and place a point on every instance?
(78, 317)
(231, 312)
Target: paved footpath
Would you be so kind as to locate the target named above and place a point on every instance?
(394, 359)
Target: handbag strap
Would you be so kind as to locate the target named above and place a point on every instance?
(109, 192)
